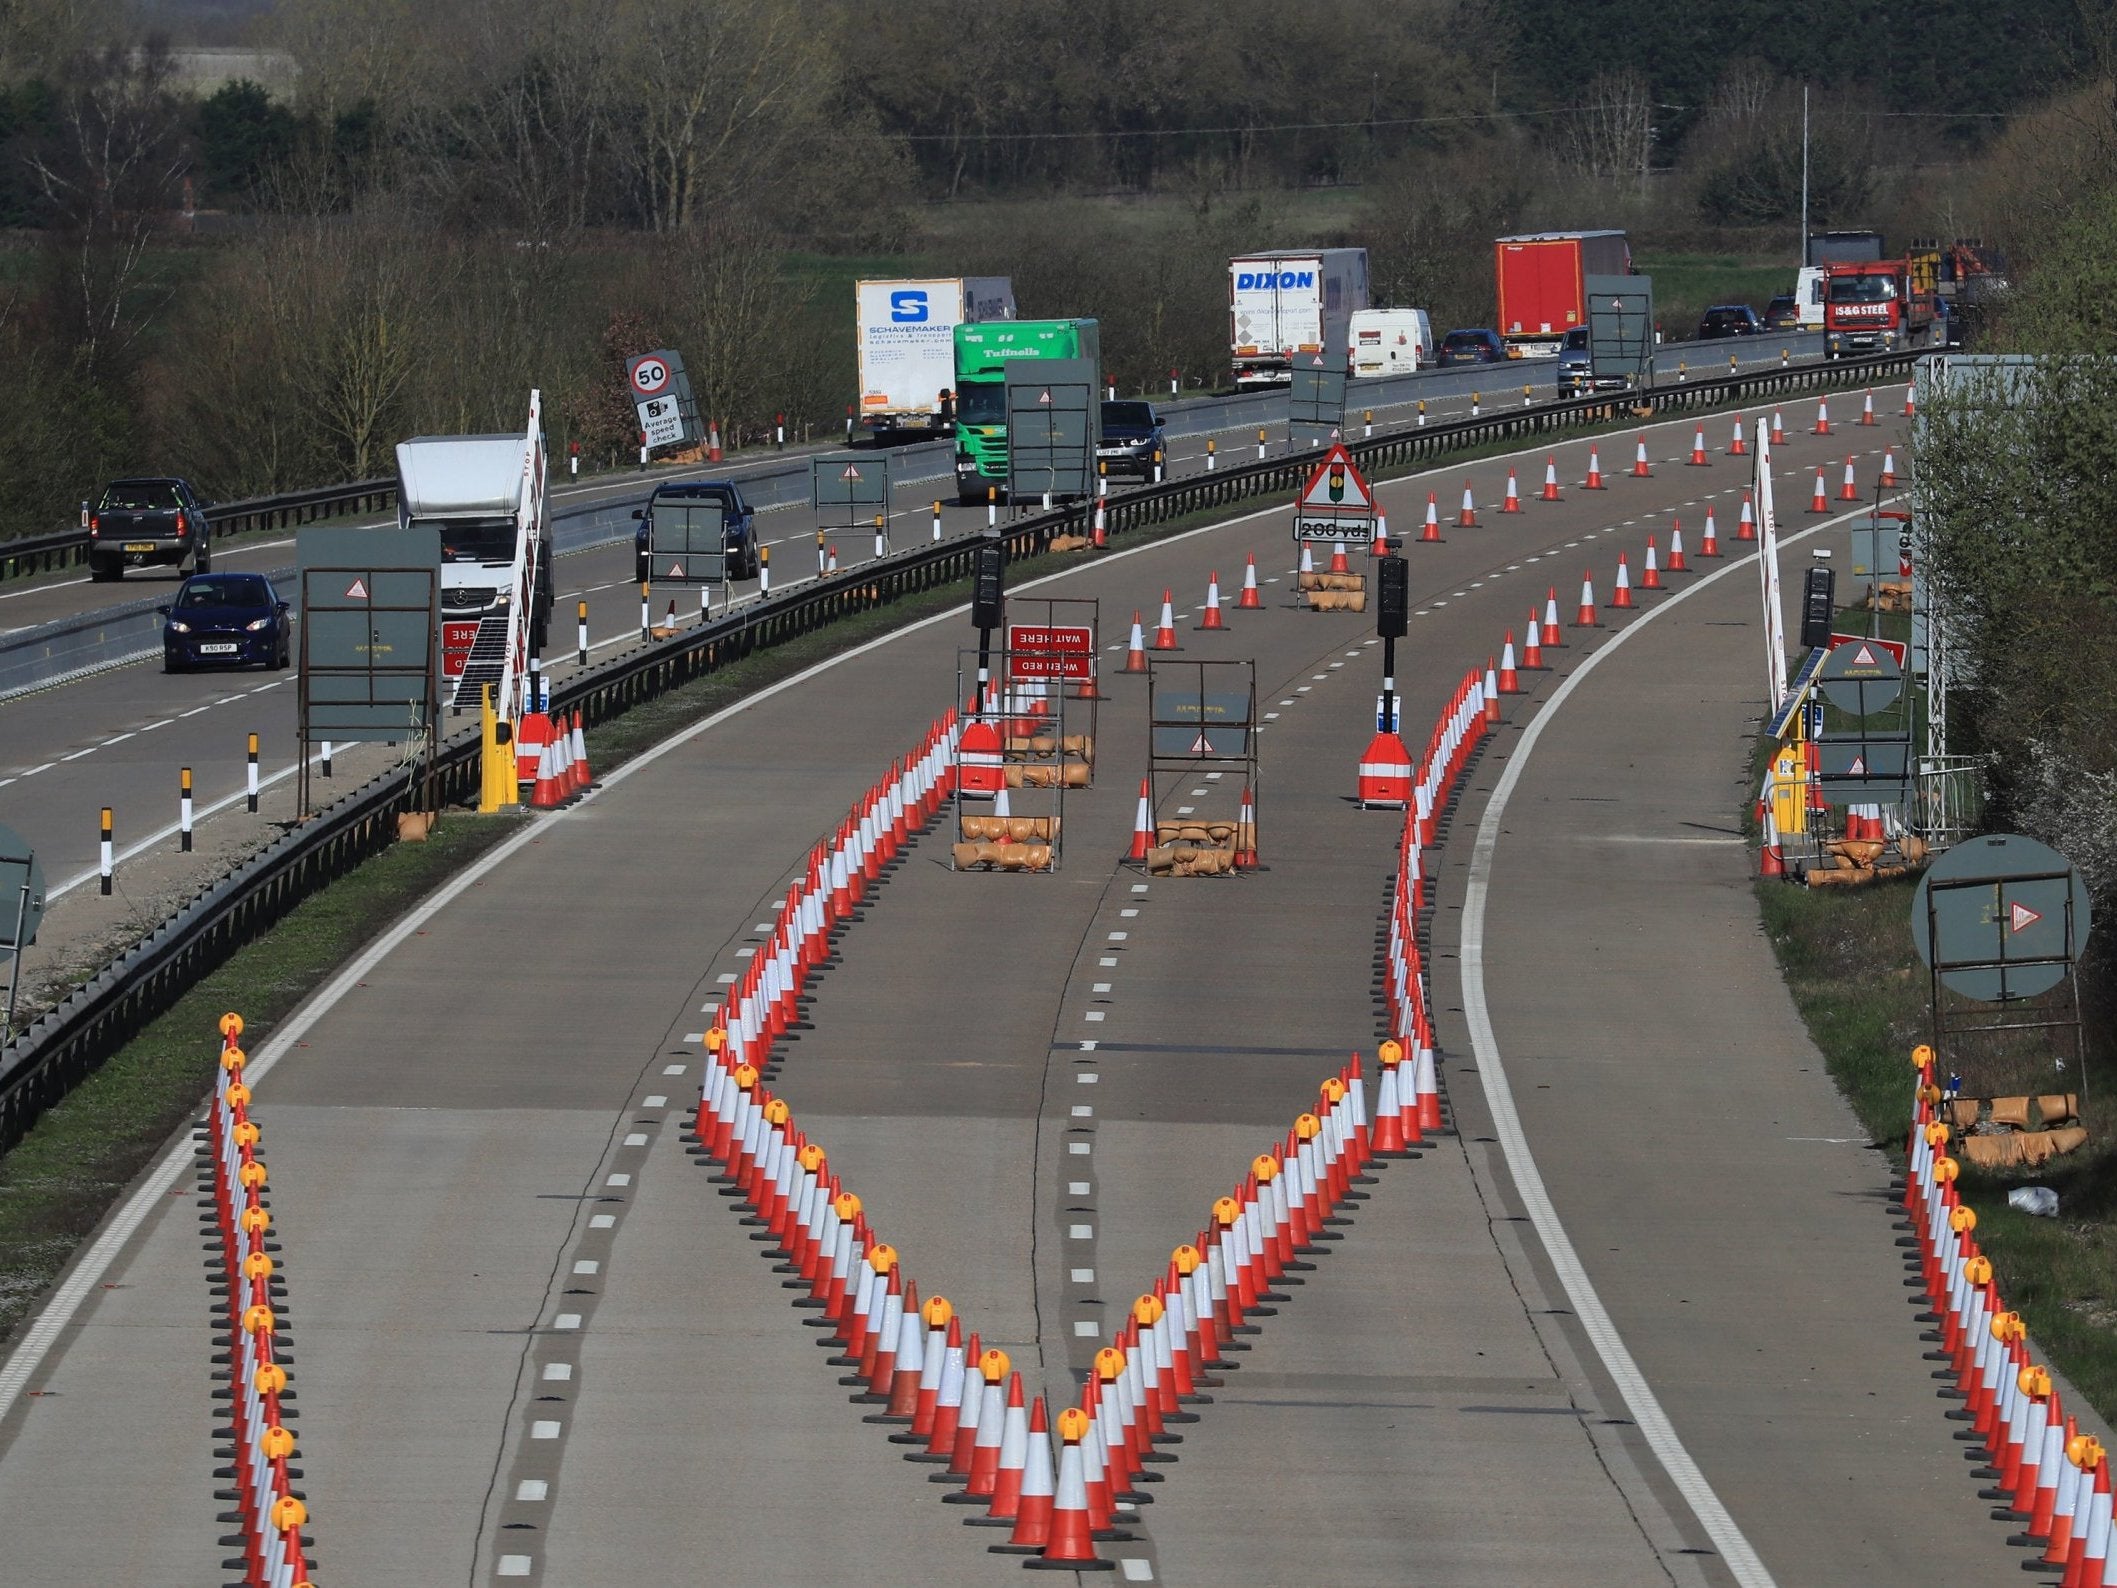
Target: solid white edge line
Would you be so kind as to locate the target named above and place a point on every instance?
(1595, 1321)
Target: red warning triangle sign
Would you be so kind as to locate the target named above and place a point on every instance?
(357, 590)
(2020, 917)
(1199, 745)
(676, 571)
(852, 472)
(1316, 362)
(1865, 657)
(1336, 484)
(1046, 398)
(1858, 767)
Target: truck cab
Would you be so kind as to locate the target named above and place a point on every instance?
(484, 494)
(1878, 306)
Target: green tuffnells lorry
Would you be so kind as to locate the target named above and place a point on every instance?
(983, 353)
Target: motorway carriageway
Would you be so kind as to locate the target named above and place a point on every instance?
(532, 1344)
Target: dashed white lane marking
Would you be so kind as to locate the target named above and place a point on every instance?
(1086, 1329)
(513, 1566)
(567, 1320)
(1086, 1078)
(1093, 1015)
(656, 1099)
(1079, 1188)
(637, 1138)
(1083, 1111)
(726, 978)
(91, 750)
(1135, 1569)
(1101, 986)
(618, 1180)
(531, 1491)
(1079, 1149)
(1080, 1232)
(1119, 937)
(1081, 1276)
(1090, 1045)
(586, 1265)
(1128, 913)
(557, 1372)
(545, 1428)
(602, 1221)
(117, 738)
(673, 1069)
(1106, 964)
(1139, 887)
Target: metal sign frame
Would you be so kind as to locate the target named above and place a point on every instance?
(1055, 612)
(698, 567)
(1178, 696)
(1315, 403)
(1054, 425)
(22, 899)
(1621, 329)
(1032, 774)
(864, 497)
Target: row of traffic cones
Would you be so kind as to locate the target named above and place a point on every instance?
(2044, 1472)
(1849, 491)
(562, 765)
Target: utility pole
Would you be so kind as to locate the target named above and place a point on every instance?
(1804, 173)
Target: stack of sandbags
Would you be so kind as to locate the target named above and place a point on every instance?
(1003, 856)
(1048, 774)
(1010, 829)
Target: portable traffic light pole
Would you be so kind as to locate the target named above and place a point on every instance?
(1392, 622)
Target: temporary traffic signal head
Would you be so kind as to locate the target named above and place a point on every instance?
(1393, 598)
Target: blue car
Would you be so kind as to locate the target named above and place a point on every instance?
(1472, 347)
(225, 620)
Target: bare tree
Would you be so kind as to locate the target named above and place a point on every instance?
(1608, 135)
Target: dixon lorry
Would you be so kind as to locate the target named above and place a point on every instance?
(1542, 285)
(1282, 305)
(907, 345)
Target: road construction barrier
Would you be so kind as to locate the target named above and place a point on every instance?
(2045, 1473)
(250, 1306)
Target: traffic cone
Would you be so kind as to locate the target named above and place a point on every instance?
(1070, 1545)
(1820, 502)
(1594, 470)
(1585, 617)
(1640, 471)
(1246, 833)
(1621, 596)
(583, 777)
(1033, 1506)
(1676, 563)
(1142, 824)
(1533, 645)
(1338, 561)
(1910, 408)
(1510, 681)
(1492, 691)
(1650, 576)
(1432, 530)
(1746, 527)
(1513, 503)
(547, 795)
(1822, 417)
(1778, 429)
(1867, 409)
(1101, 537)
(1136, 651)
(1165, 630)
(1249, 600)
(1710, 545)
(1014, 1461)
(1850, 490)
(1552, 636)
(1888, 467)
(1387, 1140)
(1739, 446)
(1379, 546)
(1466, 518)
(1211, 619)
(1771, 861)
(1698, 459)
(1551, 479)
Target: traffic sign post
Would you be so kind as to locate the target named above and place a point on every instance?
(1336, 503)
(660, 392)
(21, 910)
(2001, 922)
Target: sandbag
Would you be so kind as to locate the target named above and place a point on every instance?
(1337, 601)
(1317, 580)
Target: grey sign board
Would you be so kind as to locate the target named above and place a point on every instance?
(1211, 725)
(369, 620)
(1860, 677)
(2000, 917)
(687, 541)
(1863, 768)
(1621, 328)
(1316, 400)
(857, 484)
(1054, 424)
(21, 891)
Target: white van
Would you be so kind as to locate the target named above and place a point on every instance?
(1808, 295)
(1389, 342)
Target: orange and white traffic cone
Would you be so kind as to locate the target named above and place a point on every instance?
(1640, 471)
(1246, 833)
(1888, 467)
(1466, 517)
(1552, 636)
(1070, 1545)
(1492, 692)
(1820, 502)
(583, 777)
(547, 795)
(1621, 595)
(1698, 459)
(1210, 618)
(1594, 470)
(1850, 490)
(1339, 563)
(1778, 429)
(1771, 861)
(1379, 546)
(1533, 645)
(1432, 531)
(1014, 1461)
(1249, 600)
(1136, 651)
(1513, 502)
(1738, 447)
(1710, 545)
(1867, 409)
(1510, 681)
(1650, 575)
(1910, 408)
(1165, 630)
(1387, 1139)
(1551, 479)
(1142, 823)
(1822, 417)
(1033, 1506)
(1746, 526)
(1585, 617)
(1676, 562)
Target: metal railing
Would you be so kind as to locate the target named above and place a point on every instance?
(68, 1042)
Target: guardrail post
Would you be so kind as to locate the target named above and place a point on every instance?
(108, 861)
(251, 787)
(183, 811)
(937, 520)
(327, 758)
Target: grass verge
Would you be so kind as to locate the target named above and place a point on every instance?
(80, 1156)
(1848, 960)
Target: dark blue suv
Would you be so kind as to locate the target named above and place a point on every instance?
(737, 517)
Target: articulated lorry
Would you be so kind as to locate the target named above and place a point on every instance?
(485, 494)
(907, 345)
(1541, 284)
(983, 353)
(1283, 305)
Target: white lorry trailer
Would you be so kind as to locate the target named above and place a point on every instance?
(907, 345)
(1292, 302)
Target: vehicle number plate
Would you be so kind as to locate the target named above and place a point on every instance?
(218, 648)
(139, 545)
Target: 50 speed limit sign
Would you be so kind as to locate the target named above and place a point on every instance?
(649, 374)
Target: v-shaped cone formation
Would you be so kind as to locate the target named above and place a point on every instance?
(1650, 575)
(1552, 635)
(1533, 645)
(1710, 545)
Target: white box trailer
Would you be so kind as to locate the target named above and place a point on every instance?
(1390, 342)
(907, 342)
(1291, 302)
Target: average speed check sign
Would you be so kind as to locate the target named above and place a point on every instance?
(649, 374)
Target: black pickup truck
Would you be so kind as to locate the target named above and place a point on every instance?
(146, 523)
